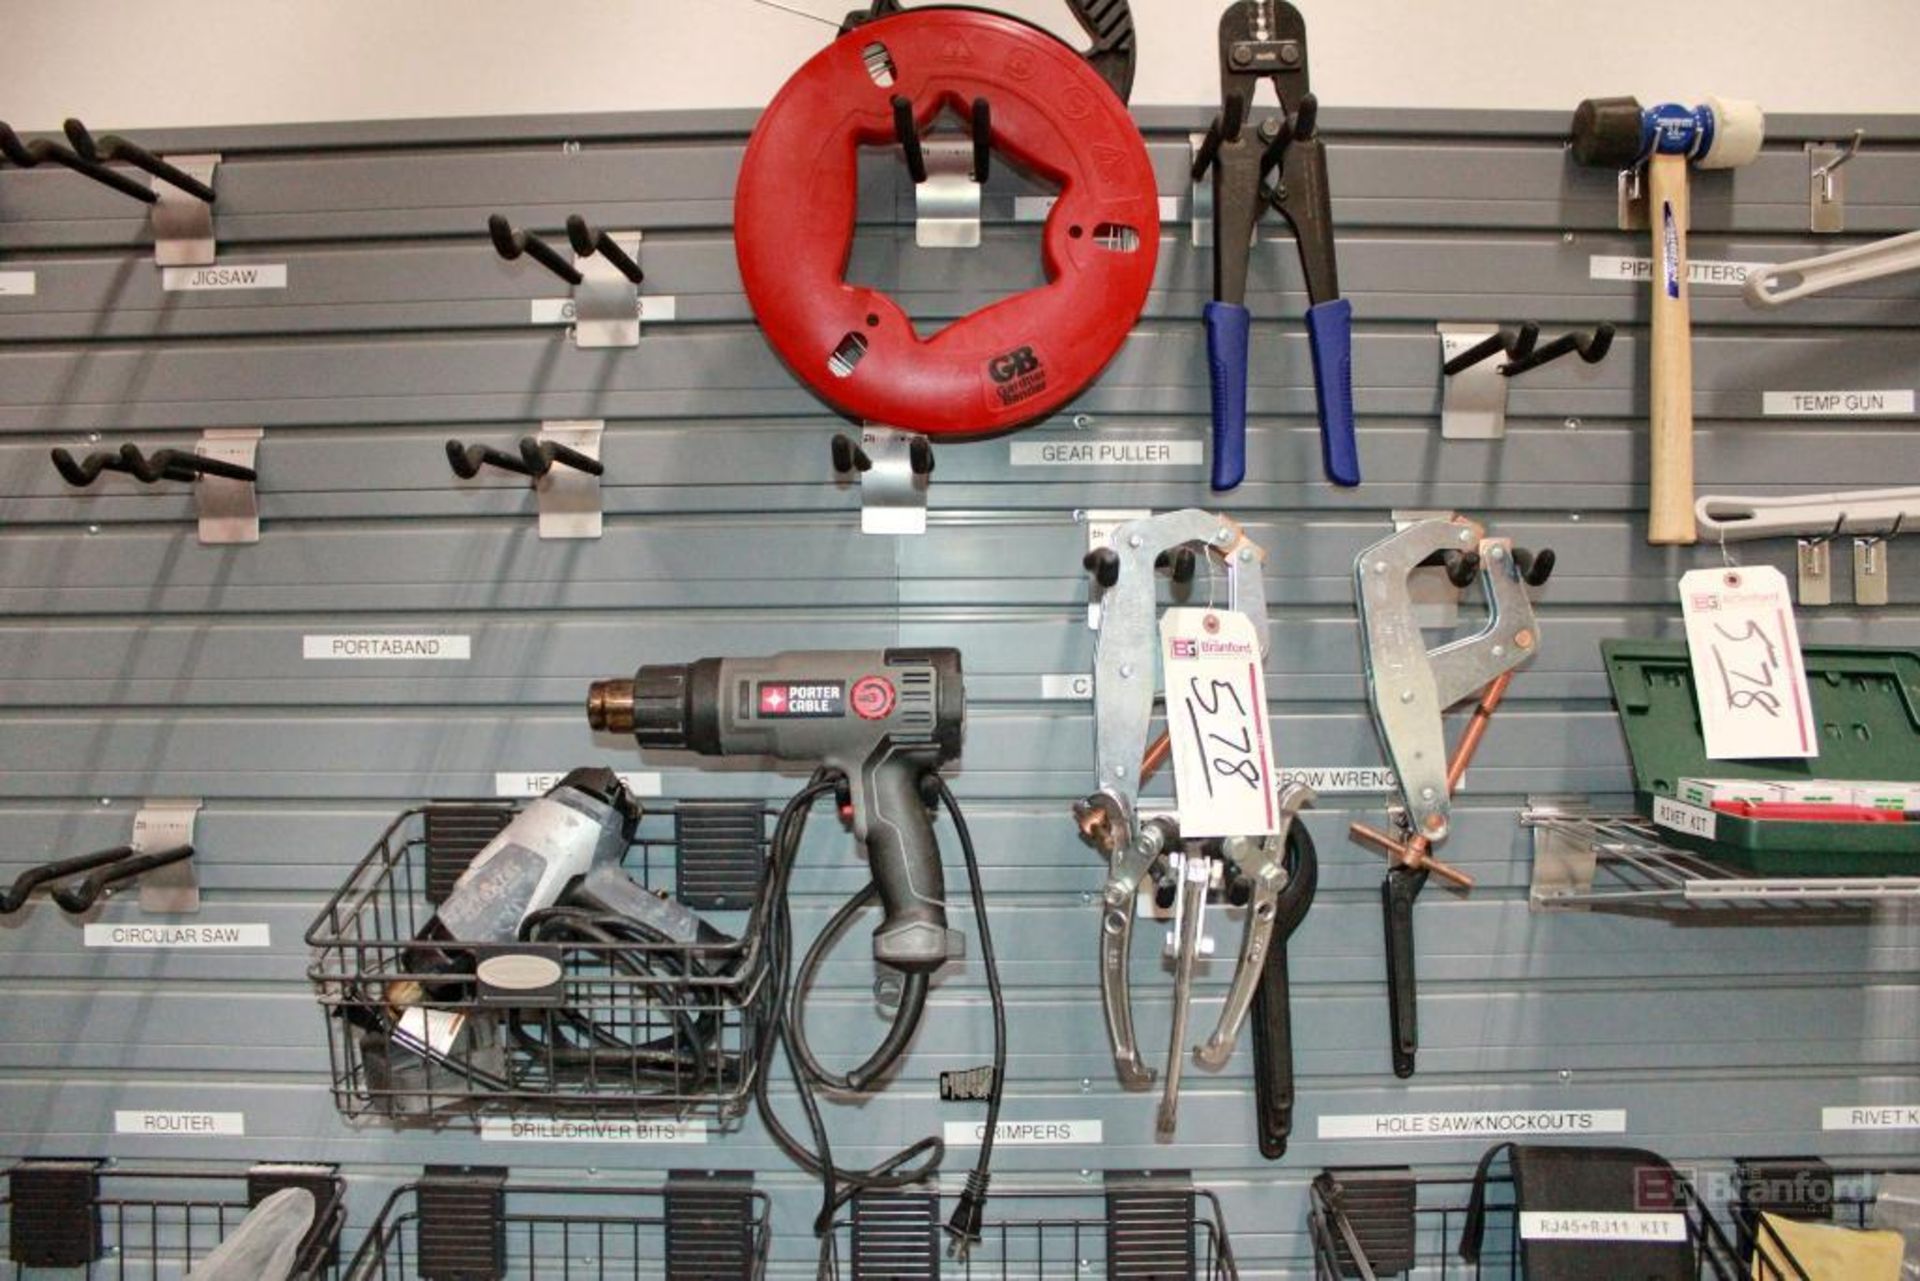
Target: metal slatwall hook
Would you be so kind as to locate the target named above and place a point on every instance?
(1872, 570)
(162, 838)
(1823, 174)
(587, 242)
(110, 147)
(1592, 348)
(510, 243)
(28, 155)
(535, 459)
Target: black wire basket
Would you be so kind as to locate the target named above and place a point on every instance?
(419, 1032)
(471, 1224)
(1144, 1226)
(1379, 1221)
(102, 1222)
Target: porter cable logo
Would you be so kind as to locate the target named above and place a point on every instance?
(784, 700)
(1018, 375)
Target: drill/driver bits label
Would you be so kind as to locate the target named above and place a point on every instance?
(538, 1129)
(792, 700)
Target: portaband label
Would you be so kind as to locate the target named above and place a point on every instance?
(541, 784)
(1105, 453)
(1700, 271)
(376, 647)
(1868, 1116)
(1014, 376)
(18, 284)
(1472, 1125)
(1025, 1134)
(252, 275)
(179, 1125)
(1332, 780)
(507, 1129)
(186, 937)
(1576, 1225)
(653, 309)
(791, 700)
(1837, 404)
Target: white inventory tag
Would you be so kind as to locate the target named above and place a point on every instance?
(1602, 1225)
(1217, 719)
(1747, 671)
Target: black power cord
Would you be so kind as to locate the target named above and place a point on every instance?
(919, 1160)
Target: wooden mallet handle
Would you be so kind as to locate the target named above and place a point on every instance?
(1670, 507)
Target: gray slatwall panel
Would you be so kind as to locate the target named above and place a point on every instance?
(400, 330)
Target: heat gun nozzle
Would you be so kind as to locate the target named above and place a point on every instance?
(610, 706)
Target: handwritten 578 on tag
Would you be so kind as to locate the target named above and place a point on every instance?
(1217, 718)
(1747, 671)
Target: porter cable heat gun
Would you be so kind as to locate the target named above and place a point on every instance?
(877, 724)
(884, 719)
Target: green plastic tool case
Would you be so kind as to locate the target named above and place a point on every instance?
(1866, 703)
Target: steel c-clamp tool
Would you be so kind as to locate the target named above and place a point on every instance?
(1409, 688)
(1274, 886)
(1267, 40)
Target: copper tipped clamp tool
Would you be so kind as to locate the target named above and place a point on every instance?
(1409, 688)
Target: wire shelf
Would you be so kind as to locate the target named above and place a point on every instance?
(1612, 861)
(630, 1031)
(89, 1219)
(474, 1225)
(1144, 1230)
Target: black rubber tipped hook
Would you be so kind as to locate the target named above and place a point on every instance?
(1592, 347)
(29, 154)
(162, 464)
(586, 242)
(909, 135)
(1104, 564)
(15, 896)
(920, 456)
(1535, 567)
(982, 140)
(848, 456)
(1181, 562)
(535, 459)
(510, 242)
(79, 897)
(1516, 343)
(113, 147)
(1462, 567)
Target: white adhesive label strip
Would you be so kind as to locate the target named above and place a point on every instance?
(559, 311)
(1700, 271)
(1025, 1134)
(187, 937)
(1071, 686)
(1472, 1125)
(1333, 780)
(1871, 1116)
(18, 284)
(1837, 404)
(1036, 208)
(1678, 816)
(1578, 1225)
(249, 275)
(1105, 453)
(174, 1125)
(518, 785)
(375, 647)
(506, 1129)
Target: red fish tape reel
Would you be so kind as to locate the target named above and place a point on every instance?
(1053, 116)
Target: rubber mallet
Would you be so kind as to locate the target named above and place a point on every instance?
(1618, 133)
